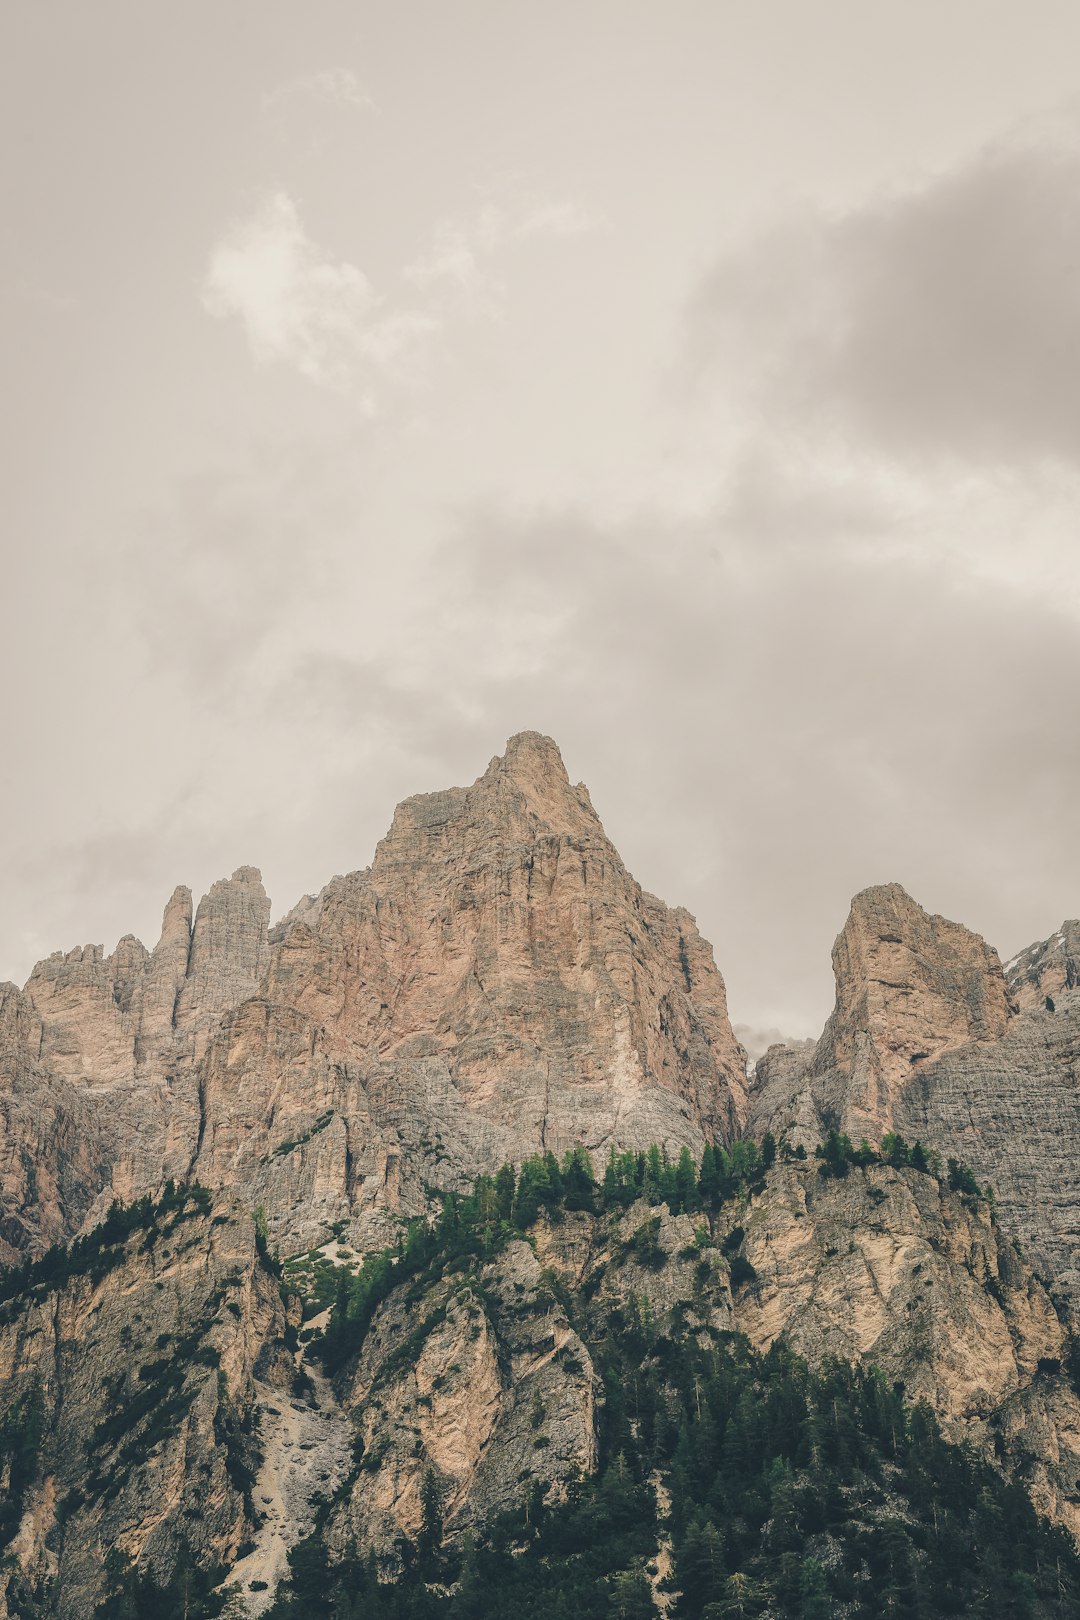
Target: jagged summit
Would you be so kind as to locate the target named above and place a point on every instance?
(915, 985)
(494, 983)
(932, 1038)
(532, 752)
(910, 987)
(1046, 975)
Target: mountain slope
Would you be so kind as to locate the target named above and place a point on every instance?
(495, 982)
(929, 1039)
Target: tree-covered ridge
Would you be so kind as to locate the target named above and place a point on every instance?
(143, 1394)
(791, 1493)
(774, 1491)
(99, 1250)
(507, 1204)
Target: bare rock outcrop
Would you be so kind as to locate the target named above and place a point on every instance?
(888, 1267)
(55, 1149)
(482, 1388)
(1046, 976)
(493, 984)
(498, 933)
(228, 955)
(926, 1039)
(909, 986)
(140, 1367)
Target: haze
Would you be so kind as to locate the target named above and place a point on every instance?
(697, 383)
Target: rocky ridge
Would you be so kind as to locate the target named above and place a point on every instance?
(930, 1038)
(495, 982)
(132, 1380)
(483, 1382)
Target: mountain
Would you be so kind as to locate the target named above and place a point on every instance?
(930, 1038)
(494, 983)
(431, 1252)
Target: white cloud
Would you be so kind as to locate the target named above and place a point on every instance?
(454, 256)
(461, 246)
(335, 85)
(300, 307)
(566, 218)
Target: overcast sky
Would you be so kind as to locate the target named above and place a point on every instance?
(696, 382)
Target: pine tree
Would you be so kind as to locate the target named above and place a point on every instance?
(685, 1182)
(429, 1540)
(579, 1182)
(709, 1177)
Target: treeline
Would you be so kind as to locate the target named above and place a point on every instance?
(501, 1206)
(837, 1155)
(99, 1250)
(21, 1430)
(504, 1205)
(135, 1594)
(792, 1494)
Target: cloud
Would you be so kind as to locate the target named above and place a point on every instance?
(333, 85)
(941, 322)
(463, 249)
(564, 218)
(300, 307)
(454, 256)
(765, 732)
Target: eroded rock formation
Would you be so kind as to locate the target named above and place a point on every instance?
(493, 984)
(929, 1039)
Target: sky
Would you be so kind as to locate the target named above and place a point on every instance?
(697, 383)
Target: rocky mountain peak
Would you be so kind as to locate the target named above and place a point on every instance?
(498, 949)
(909, 986)
(229, 950)
(1046, 975)
(532, 766)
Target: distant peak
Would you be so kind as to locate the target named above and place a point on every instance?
(879, 895)
(531, 751)
(532, 767)
(247, 874)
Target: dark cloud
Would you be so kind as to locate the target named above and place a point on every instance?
(943, 321)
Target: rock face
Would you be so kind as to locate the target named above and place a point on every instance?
(928, 1039)
(493, 984)
(887, 1267)
(908, 988)
(481, 1386)
(498, 934)
(142, 1368)
(1048, 969)
(55, 1149)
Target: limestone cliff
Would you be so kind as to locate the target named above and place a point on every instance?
(482, 1385)
(928, 1038)
(139, 1362)
(498, 934)
(476, 1381)
(494, 983)
(1047, 974)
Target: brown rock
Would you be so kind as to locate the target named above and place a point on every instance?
(909, 986)
(1049, 969)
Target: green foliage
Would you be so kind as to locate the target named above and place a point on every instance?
(962, 1180)
(135, 1594)
(742, 1272)
(837, 1155)
(793, 1494)
(500, 1207)
(104, 1248)
(301, 1141)
(21, 1429)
